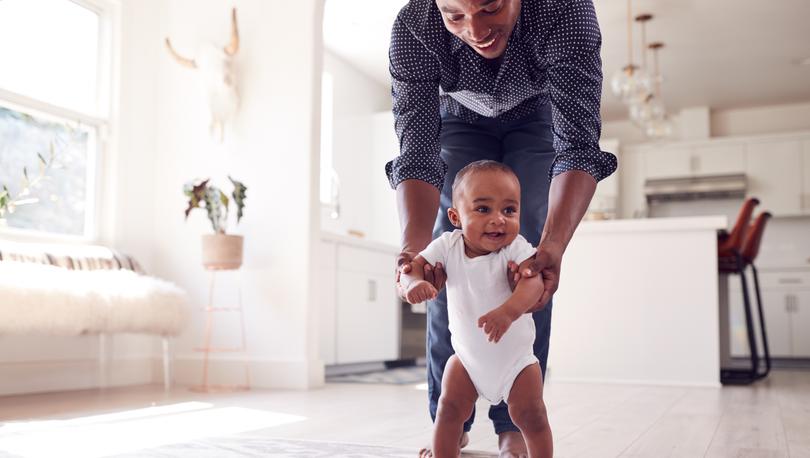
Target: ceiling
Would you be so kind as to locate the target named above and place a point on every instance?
(719, 53)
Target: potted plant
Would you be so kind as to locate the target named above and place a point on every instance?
(9, 202)
(220, 251)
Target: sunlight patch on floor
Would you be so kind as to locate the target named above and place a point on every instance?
(128, 431)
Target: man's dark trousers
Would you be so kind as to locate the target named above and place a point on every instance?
(525, 145)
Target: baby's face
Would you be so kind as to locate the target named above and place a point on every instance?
(487, 209)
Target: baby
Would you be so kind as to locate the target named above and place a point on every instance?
(488, 361)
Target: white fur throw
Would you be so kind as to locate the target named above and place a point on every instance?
(43, 299)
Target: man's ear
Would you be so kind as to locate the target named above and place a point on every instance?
(455, 220)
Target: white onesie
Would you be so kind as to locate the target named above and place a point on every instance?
(475, 286)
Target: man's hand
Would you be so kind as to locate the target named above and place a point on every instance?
(547, 262)
(434, 275)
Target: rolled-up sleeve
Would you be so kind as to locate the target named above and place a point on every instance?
(415, 74)
(574, 86)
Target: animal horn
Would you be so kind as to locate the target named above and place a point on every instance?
(233, 46)
(184, 61)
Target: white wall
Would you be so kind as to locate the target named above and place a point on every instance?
(161, 141)
(357, 98)
(272, 149)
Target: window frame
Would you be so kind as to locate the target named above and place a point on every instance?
(100, 121)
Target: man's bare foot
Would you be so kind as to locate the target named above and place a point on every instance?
(512, 445)
(462, 442)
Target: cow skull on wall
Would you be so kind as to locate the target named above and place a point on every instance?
(216, 69)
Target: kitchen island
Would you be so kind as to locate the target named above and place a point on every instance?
(638, 303)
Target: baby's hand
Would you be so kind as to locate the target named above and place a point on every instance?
(420, 291)
(495, 324)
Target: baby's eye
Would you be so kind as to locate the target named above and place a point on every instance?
(510, 210)
(482, 209)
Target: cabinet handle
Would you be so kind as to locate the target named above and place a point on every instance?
(791, 299)
(787, 303)
(372, 290)
(693, 164)
(790, 281)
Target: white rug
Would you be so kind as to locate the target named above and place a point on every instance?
(396, 376)
(239, 446)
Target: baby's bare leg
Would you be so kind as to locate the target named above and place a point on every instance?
(455, 406)
(528, 411)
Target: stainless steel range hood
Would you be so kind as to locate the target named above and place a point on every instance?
(693, 188)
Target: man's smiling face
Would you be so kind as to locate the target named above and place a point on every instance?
(485, 25)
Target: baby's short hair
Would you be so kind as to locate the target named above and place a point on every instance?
(485, 165)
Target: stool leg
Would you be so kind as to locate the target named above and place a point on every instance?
(744, 376)
(749, 319)
(166, 368)
(763, 330)
(102, 361)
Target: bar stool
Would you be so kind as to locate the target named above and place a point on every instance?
(749, 253)
(730, 261)
(733, 258)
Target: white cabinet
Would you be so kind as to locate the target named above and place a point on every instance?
(360, 319)
(777, 168)
(720, 159)
(800, 323)
(774, 175)
(366, 318)
(668, 162)
(786, 305)
(674, 161)
(777, 323)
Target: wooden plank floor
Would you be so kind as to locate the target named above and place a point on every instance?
(769, 419)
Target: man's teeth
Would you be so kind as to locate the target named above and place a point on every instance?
(487, 44)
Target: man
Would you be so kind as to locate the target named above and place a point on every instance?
(516, 82)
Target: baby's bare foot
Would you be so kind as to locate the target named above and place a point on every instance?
(512, 445)
(462, 442)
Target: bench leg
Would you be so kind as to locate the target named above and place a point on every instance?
(166, 366)
(102, 361)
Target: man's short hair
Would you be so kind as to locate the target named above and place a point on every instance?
(485, 165)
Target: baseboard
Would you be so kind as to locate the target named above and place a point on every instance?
(65, 375)
(263, 373)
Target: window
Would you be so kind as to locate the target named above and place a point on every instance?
(53, 104)
(329, 179)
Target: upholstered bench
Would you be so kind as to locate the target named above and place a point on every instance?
(72, 290)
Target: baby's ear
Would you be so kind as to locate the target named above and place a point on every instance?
(455, 220)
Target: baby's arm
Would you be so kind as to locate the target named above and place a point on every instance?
(417, 289)
(526, 294)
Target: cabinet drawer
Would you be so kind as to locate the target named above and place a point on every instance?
(791, 280)
(352, 259)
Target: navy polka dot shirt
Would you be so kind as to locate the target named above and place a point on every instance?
(552, 55)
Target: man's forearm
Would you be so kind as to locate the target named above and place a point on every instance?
(418, 203)
(568, 199)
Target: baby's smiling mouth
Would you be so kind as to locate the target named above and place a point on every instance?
(494, 235)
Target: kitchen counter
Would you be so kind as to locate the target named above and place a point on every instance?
(638, 303)
(359, 242)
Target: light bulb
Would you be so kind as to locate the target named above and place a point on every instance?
(631, 84)
(658, 128)
(643, 112)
